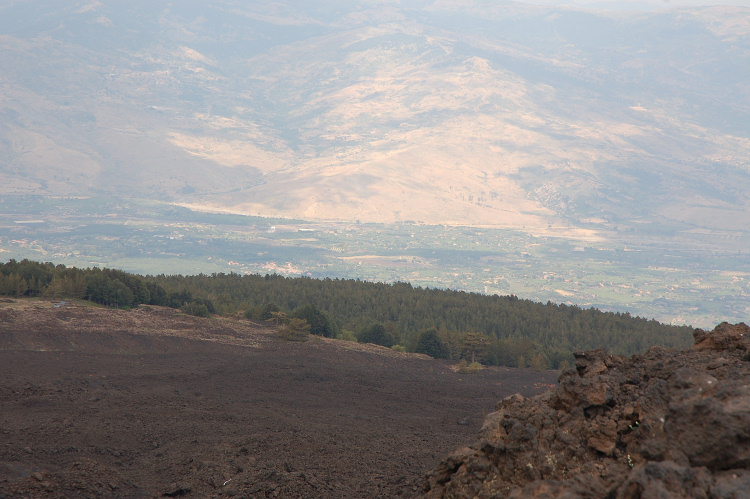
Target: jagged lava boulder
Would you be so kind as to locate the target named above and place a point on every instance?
(659, 425)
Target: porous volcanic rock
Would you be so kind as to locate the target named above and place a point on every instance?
(663, 424)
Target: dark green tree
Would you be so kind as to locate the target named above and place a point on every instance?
(516, 329)
(267, 310)
(320, 323)
(99, 288)
(475, 343)
(196, 308)
(157, 294)
(429, 343)
(376, 333)
(121, 295)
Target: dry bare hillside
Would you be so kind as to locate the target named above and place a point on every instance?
(441, 112)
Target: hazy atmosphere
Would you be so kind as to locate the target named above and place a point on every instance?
(635, 4)
(324, 249)
(592, 157)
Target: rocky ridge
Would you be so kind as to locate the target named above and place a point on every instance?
(663, 424)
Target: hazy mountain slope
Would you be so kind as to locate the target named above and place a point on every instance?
(438, 111)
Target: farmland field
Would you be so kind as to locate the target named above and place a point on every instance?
(695, 279)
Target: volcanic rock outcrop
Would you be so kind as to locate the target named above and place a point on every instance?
(663, 424)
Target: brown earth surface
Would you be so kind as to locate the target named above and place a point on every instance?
(665, 424)
(149, 402)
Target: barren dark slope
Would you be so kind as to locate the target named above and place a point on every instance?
(104, 403)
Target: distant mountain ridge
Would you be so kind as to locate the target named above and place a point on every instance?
(549, 119)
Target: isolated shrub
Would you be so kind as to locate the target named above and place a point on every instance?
(464, 367)
(347, 335)
(295, 330)
(399, 348)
